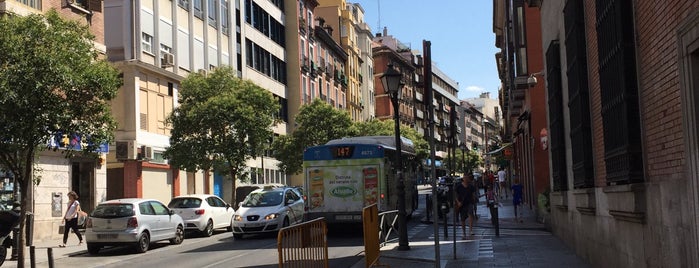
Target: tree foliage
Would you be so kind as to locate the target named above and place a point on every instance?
(221, 123)
(51, 82)
(464, 162)
(317, 123)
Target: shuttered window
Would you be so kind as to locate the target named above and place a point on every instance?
(618, 82)
(578, 94)
(556, 126)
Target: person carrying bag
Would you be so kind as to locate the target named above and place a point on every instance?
(71, 218)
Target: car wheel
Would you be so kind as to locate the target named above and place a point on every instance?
(93, 249)
(3, 254)
(179, 236)
(209, 229)
(238, 236)
(143, 243)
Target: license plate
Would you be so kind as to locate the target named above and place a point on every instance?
(253, 224)
(107, 236)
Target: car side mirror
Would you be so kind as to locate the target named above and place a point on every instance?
(289, 201)
(228, 206)
(171, 212)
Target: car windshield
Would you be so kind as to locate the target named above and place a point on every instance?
(185, 202)
(263, 199)
(113, 211)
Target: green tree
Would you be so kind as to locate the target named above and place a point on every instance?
(51, 81)
(464, 162)
(222, 122)
(317, 123)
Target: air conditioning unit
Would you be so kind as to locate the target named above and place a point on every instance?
(203, 72)
(125, 150)
(167, 60)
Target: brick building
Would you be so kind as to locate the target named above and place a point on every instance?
(621, 103)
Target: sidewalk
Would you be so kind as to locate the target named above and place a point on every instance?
(520, 244)
(41, 249)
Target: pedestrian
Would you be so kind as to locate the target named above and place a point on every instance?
(517, 199)
(501, 182)
(491, 201)
(70, 219)
(465, 198)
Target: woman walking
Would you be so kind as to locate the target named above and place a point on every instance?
(70, 219)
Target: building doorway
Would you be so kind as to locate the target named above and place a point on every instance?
(82, 181)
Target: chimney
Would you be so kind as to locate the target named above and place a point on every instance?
(485, 95)
(385, 31)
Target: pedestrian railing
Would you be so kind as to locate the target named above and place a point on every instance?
(304, 245)
(388, 227)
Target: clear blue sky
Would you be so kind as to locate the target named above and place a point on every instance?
(461, 33)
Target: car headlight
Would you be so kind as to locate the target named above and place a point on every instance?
(271, 216)
(237, 218)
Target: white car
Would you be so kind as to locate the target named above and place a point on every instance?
(203, 212)
(268, 210)
(132, 221)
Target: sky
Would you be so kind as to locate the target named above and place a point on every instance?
(460, 31)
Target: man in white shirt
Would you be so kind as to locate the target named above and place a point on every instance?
(501, 182)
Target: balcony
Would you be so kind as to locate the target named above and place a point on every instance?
(303, 26)
(418, 96)
(304, 65)
(419, 114)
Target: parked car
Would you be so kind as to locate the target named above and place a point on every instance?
(132, 221)
(203, 212)
(241, 191)
(268, 210)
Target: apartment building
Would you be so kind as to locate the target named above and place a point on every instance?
(343, 16)
(365, 37)
(156, 44)
(85, 175)
(317, 67)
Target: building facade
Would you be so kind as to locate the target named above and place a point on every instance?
(158, 43)
(525, 113)
(344, 17)
(622, 128)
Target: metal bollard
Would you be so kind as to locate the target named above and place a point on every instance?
(428, 210)
(32, 257)
(49, 251)
(29, 230)
(15, 242)
(497, 220)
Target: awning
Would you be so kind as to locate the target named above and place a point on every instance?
(500, 149)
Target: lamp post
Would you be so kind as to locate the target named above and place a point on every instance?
(391, 81)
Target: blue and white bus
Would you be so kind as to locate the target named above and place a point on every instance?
(345, 175)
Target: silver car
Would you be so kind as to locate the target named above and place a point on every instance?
(132, 221)
(268, 210)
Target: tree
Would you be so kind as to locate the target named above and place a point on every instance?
(222, 122)
(317, 123)
(464, 161)
(51, 82)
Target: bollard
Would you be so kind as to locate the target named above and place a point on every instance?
(32, 256)
(497, 220)
(428, 209)
(445, 211)
(29, 230)
(49, 251)
(15, 242)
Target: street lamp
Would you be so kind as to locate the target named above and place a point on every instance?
(391, 80)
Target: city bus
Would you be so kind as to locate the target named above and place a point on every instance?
(345, 175)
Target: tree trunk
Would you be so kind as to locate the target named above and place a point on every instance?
(25, 182)
(234, 171)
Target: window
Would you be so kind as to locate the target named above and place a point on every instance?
(183, 4)
(147, 43)
(36, 4)
(197, 7)
(159, 208)
(578, 94)
(146, 209)
(623, 153)
(225, 24)
(212, 12)
(164, 48)
(556, 127)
